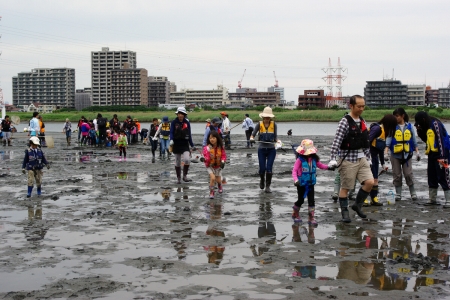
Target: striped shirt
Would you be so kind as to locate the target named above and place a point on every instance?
(350, 155)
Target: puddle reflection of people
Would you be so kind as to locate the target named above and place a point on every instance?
(35, 230)
(266, 228)
(305, 272)
(165, 194)
(215, 252)
(301, 234)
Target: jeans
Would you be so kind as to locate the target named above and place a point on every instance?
(164, 145)
(154, 145)
(79, 134)
(266, 157)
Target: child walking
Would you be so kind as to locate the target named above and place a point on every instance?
(33, 163)
(215, 156)
(304, 175)
(122, 144)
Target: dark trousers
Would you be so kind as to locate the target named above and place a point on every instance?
(101, 137)
(154, 145)
(248, 134)
(301, 194)
(437, 175)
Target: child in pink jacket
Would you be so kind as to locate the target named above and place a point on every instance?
(214, 158)
(304, 175)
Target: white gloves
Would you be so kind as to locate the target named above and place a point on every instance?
(332, 164)
(171, 143)
(278, 145)
(155, 138)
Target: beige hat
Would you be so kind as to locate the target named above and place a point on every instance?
(208, 120)
(267, 112)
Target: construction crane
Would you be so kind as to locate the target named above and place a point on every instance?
(242, 78)
(276, 80)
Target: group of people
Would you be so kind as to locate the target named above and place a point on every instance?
(357, 152)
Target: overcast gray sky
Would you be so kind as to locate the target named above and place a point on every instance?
(199, 44)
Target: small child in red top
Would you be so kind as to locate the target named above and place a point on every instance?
(304, 175)
(214, 158)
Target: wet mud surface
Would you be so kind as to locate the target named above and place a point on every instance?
(123, 230)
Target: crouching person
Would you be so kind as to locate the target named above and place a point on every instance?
(33, 163)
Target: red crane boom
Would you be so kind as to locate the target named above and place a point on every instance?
(242, 78)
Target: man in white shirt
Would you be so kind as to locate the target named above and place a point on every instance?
(226, 127)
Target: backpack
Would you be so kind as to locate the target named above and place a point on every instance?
(101, 122)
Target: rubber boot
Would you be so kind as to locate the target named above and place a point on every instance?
(447, 199)
(398, 193)
(432, 192)
(39, 191)
(311, 236)
(4, 142)
(412, 192)
(374, 196)
(211, 192)
(153, 158)
(178, 171)
(343, 202)
(30, 189)
(335, 196)
(360, 197)
(69, 141)
(168, 154)
(9, 143)
(296, 214)
(220, 188)
(268, 182)
(185, 172)
(262, 181)
(311, 220)
(163, 157)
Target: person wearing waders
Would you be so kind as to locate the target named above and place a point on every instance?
(180, 139)
(214, 126)
(351, 144)
(154, 127)
(164, 137)
(33, 163)
(267, 129)
(304, 175)
(68, 131)
(378, 134)
(433, 133)
(214, 159)
(402, 145)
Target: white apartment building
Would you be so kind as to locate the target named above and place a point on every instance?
(280, 90)
(416, 95)
(102, 62)
(213, 98)
(53, 87)
(178, 98)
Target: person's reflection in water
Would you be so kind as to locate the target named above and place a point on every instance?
(357, 271)
(214, 213)
(165, 194)
(265, 228)
(301, 234)
(35, 229)
(180, 236)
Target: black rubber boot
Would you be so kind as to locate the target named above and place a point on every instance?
(185, 172)
(344, 210)
(268, 182)
(178, 171)
(362, 195)
(262, 181)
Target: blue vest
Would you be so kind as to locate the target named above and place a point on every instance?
(308, 172)
(402, 141)
(34, 160)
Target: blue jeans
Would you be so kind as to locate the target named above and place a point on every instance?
(164, 145)
(266, 157)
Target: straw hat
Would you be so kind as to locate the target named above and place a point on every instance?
(267, 112)
(208, 120)
(306, 148)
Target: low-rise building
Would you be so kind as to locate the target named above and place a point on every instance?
(214, 98)
(178, 98)
(431, 96)
(252, 98)
(314, 98)
(386, 93)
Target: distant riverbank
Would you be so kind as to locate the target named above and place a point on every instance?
(235, 116)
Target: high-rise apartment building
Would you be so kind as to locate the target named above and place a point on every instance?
(129, 86)
(83, 98)
(54, 87)
(158, 90)
(102, 62)
(444, 97)
(173, 87)
(386, 93)
(416, 95)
